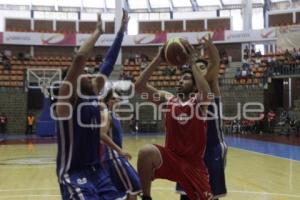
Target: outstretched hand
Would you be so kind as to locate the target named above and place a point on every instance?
(99, 23)
(207, 41)
(125, 20)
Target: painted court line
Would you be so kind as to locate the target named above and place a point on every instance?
(154, 188)
(264, 154)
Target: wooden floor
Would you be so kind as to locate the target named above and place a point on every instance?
(28, 172)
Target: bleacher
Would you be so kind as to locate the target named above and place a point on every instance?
(15, 76)
(158, 79)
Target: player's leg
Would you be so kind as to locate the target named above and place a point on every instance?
(78, 186)
(105, 187)
(124, 177)
(149, 159)
(214, 161)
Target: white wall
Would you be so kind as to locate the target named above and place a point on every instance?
(11, 14)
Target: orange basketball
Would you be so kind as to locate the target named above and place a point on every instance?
(175, 51)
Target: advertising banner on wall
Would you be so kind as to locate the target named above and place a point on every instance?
(288, 37)
(50, 39)
(61, 39)
(251, 35)
(151, 39)
(196, 37)
(129, 40)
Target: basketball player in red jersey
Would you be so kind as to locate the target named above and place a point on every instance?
(185, 128)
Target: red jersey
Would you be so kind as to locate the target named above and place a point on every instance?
(185, 131)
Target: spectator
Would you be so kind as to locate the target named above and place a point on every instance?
(1, 57)
(3, 123)
(6, 64)
(21, 56)
(30, 124)
(138, 59)
(286, 67)
(122, 75)
(294, 54)
(287, 53)
(7, 53)
(128, 76)
(27, 56)
(169, 71)
(238, 74)
(298, 54)
(246, 52)
(244, 73)
(258, 54)
(261, 123)
(253, 51)
(144, 63)
(271, 119)
(98, 59)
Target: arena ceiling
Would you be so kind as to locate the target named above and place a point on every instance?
(132, 5)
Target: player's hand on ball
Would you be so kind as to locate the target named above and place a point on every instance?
(161, 53)
(191, 53)
(125, 20)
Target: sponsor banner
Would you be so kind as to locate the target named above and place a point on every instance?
(196, 37)
(1, 37)
(129, 40)
(51, 39)
(148, 39)
(288, 37)
(252, 35)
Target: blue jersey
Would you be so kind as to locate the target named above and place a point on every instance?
(116, 134)
(78, 146)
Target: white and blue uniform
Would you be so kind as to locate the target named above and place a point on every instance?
(79, 172)
(123, 175)
(216, 152)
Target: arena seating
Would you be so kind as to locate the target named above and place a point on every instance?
(159, 79)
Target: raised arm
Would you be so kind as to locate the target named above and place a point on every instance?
(212, 75)
(76, 70)
(110, 59)
(106, 120)
(201, 82)
(142, 86)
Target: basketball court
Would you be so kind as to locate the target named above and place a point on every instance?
(255, 170)
(257, 52)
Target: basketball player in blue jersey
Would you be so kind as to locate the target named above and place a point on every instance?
(123, 175)
(79, 172)
(216, 149)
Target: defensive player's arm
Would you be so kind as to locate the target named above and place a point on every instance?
(212, 75)
(142, 86)
(106, 120)
(76, 70)
(110, 59)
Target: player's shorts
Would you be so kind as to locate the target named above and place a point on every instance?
(92, 183)
(123, 175)
(215, 165)
(190, 173)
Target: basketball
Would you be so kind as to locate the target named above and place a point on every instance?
(175, 51)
